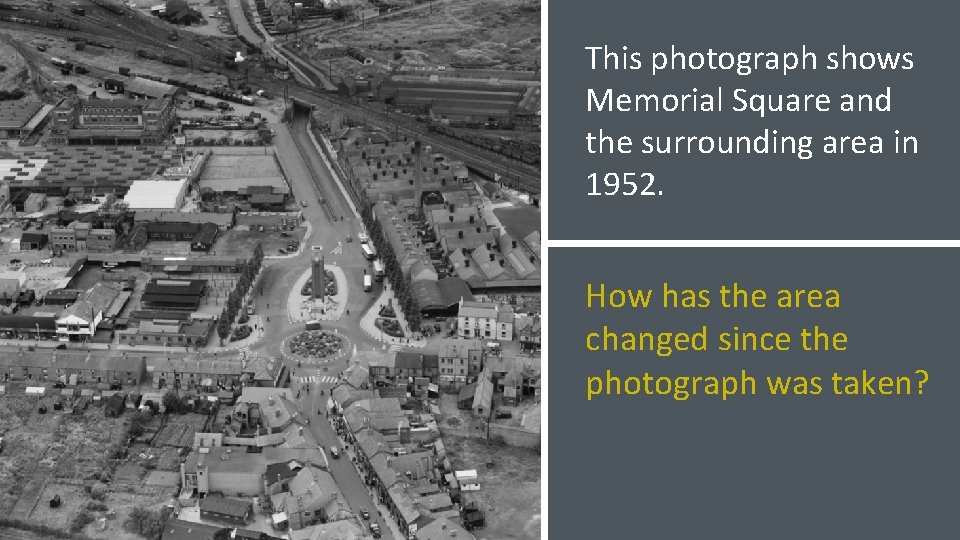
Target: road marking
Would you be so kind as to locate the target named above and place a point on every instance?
(327, 379)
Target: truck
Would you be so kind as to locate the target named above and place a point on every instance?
(378, 270)
(367, 283)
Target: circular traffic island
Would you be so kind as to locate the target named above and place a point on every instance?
(316, 344)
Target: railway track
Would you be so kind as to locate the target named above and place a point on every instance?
(486, 163)
(134, 31)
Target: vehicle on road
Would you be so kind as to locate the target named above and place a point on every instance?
(368, 251)
(303, 204)
(334, 452)
(375, 529)
(378, 270)
(364, 513)
(367, 283)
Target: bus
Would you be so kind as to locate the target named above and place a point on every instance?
(367, 283)
(368, 251)
(378, 270)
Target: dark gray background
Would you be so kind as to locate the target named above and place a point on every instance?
(760, 467)
(759, 197)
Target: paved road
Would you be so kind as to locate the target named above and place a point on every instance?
(243, 27)
(308, 176)
(344, 472)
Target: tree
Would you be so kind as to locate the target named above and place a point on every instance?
(258, 255)
(413, 319)
(174, 404)
(223, 328)
(137, 423)
(146, 523)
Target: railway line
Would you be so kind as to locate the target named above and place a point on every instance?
(132, 31)
(483, 162)
(486, 163)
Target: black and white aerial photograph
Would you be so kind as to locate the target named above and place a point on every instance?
(270, 269)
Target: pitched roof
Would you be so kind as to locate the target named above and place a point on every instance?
(484, 394)
(356, 375)
(282, 471)
(477, 309)
(409, 360)
(223, 505)
(94, 302)
(443, 529)
(179, 529)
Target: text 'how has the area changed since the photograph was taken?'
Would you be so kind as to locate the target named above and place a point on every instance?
(727, 340)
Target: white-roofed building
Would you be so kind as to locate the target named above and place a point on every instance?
(156, 194)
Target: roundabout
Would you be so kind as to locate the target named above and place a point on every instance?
(316, 347)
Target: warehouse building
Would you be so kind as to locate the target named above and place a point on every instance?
(454, 99)
(113, 122)
(177, 294)
(18, 119)
(74, 171)
(204, 238)
(156, 194)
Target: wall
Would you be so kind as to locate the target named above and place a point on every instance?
(515, 436)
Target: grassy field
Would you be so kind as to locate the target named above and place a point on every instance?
(502, 34)
(510, 489)
(13, 74)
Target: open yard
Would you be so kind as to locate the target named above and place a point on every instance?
(240, 242)
(51, 454)
(510, 486)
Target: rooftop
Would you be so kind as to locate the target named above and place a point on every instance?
(153, 194)
(223, 505)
